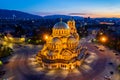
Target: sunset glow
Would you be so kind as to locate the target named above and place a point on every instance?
(92, 8)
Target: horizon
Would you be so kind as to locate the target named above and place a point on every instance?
(86, 8)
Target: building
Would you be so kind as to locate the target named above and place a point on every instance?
(10, 39)
(62, 49)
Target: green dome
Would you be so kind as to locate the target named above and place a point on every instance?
(61, 25)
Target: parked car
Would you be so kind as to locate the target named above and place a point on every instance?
(101, 50)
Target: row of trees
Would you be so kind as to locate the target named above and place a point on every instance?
(5, 51)
(112, 38)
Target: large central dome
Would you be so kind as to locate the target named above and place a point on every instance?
(61, 25)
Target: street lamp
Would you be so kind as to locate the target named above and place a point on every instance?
(103, 39)
(45, 37)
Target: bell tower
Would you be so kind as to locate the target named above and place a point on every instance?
(71, 24)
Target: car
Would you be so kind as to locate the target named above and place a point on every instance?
(111, 72)
(110, 63)
(101, 50)
(114, 51)
(107, 78)
(116, 54)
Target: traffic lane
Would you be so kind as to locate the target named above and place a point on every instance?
(100, 63)
(16, 66)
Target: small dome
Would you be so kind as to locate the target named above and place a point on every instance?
(71, 39)
(61, 25)
(56, 40)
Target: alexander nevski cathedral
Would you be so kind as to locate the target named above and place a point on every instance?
(62, 49)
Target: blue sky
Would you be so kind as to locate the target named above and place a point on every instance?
(93, 8)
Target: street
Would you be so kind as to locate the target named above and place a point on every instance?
(22, 65)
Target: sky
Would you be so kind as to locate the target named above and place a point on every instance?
(86, 8)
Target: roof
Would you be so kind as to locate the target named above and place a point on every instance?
(56, 40)
(61, 25)
(71, 39)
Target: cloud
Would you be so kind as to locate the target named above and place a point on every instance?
(78, 14)
(43, 13)
(49, 13)
(65, 13)
(81, 14)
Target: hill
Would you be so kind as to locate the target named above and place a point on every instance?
(10, 14)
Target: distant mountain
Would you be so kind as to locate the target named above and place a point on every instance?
(10, 14)
(62, 16)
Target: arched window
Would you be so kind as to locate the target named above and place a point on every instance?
(59, 31)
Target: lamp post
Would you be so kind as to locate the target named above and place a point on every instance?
(103, 39)
(45, 37)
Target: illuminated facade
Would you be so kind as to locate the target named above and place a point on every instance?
(62, 49)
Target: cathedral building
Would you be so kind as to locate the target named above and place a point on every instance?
(62, 49)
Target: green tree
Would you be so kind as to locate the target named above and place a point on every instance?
(119, 67)
(1, 63)
(5, 51)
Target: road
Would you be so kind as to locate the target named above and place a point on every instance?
(18, 64)
(19, 67)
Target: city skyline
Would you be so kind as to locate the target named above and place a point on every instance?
(86, 8)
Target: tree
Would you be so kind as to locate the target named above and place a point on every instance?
(119, 67)
(5, 51)
(1, 63)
